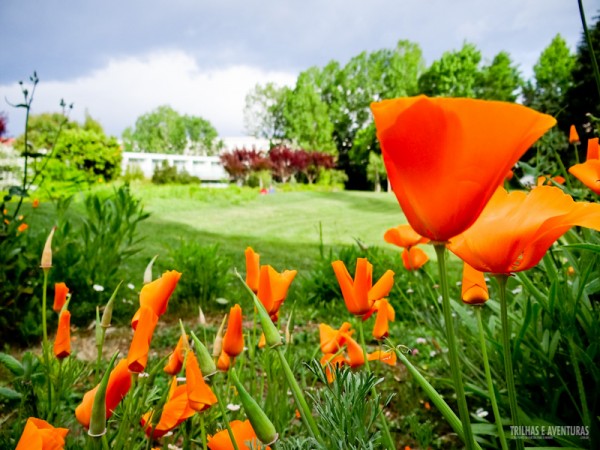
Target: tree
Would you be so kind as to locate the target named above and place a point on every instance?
(263, 112)
(500, 80)
(376, 170)
(455, 74)
(553, 78)
(582, 97)
(164, 130)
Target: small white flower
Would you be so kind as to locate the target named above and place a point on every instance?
(459, 283)
(421, 340)
(181, 379)
(173, 446)
(432, 353)
(481, 413)
(409, 291)
(517, 290)
(143, 375)
(233, 407)
(131, 286)
(98, 288)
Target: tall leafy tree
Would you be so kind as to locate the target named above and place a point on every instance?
(552, 78)
(499, 80)
(582, 97)
(263, 112)
(164, 130)
(455, 74)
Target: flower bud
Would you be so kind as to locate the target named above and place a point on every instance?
(108, 309)
(46, 263)
(98, 419)
(218, 344)
(207, 364)
(148, 271)
(263, 427)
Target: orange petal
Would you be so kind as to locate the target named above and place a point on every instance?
(331, 339)
(387, 357)
(233, 341)
(140, 344)
(62, 342)
(175, 411)
(474, 288)
(60, 296)
(432, 152)
(593, 152)
(224, 362)
(356, 356)
(252, 269)
(404, 236)
(200, 396)
(573, 135)
(414, 258)
(331, 360)
(243, 434)
(39, 434)
(588, 173)
(156, 294)
(346, 285)
(383, 287)
(515, 230)
(175, 362)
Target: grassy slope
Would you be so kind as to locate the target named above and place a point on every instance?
(284, 227)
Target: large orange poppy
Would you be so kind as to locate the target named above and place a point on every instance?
(119, 383)
(360, 294)
(446, 156)
(516, 229)
(176, 410)
(40, 435)
(243, 433)
(273, 288)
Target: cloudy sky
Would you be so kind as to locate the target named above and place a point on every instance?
(118, 59)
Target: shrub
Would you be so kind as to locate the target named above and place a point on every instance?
(166, 174)
(205, 274)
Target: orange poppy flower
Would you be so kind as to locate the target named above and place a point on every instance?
(589, 171)
(119, 383)
(156, 294)
(356, 356)
(175, 411)
(252, 269)
(446, 156)
(140, 344)
(474, 287)
(573, 135)
(262, 341)
(404, 236)
(332, 360)
(35, 203)
(233, 341)
(60, 296)
(200, 396)
(385, 313)
(40, 435)
(22, 227)
(243, 433)
(516, 229)
(387, 357)
(549, 181)
(175, 362)
(332, 340)
(224, 362)
(360, 294)
(62, 342)
(273, 288)
(414, 258)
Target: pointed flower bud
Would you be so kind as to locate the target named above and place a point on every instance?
(207, 364)
(148, 271)
(46, 263)
(98, 418)
(108, 309)
(264, 428)
(218, 344)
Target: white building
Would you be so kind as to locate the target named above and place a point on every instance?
(207, 168)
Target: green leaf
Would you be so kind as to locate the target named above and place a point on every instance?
(12, 364)
(9, 393)
(592, 247)
(17, 191)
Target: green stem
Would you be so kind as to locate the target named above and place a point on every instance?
(224, 414)
(488, 377)
(46, 345)
(590, 46)
(508, 367)
(203, 432)
(389, 442)
(434, 396)
(440, 250)
(580, 386)
(305, 412)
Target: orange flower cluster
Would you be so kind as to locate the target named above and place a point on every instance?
(589, 171)
(243, 433)
(334, 342)
(405, 237)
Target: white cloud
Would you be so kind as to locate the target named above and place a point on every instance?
(127, 88)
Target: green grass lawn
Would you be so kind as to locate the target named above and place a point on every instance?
(284, 227)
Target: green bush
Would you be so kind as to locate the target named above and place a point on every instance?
(205, 274)
(166, 174)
